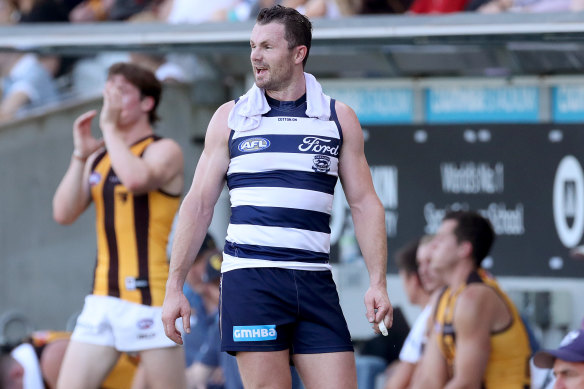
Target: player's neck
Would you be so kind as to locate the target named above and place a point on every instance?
(292, 92)
(460, 273)
(136, 131)
(423, 299)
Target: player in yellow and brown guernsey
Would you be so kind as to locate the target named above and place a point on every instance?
(135, 179)
(479, 339)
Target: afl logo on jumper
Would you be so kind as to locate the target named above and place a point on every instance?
(321, 163)
(569, 201)
(253, 144)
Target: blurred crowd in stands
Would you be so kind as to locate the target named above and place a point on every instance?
(29, 81)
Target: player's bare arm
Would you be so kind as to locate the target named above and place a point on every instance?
(368, 215)
(73, 194)
(10, 105)
(473, 323)
(194, 219)
(431, 371)
(401, 375)
(161, 166)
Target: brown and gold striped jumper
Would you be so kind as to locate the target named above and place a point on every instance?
(508, 365)
(132, 234)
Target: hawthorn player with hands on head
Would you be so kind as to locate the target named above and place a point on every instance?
(135, 182)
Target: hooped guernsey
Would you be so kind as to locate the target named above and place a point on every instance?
(281, 179)
(508, 364)
(132, 234)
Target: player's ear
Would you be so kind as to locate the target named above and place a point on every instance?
(300, 53)
(465, 248)
(147, 103)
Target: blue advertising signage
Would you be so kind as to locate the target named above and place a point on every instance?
(377, 104)
(482, 104)
(568, 103)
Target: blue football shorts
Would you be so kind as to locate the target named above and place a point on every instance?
(273, 309)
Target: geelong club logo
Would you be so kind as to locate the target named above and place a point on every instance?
(321, 163)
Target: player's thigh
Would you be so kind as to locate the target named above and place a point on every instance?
(327, 370)
(51, 360)
(139, 381)
(269, 369)
(164, 367)
(86, 365)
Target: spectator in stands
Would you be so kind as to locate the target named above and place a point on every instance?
(315, 8)
(25, 81)
(492, 345)
(25, 84)
(8, 12)
(437, 6)
(166, 71)
(241, 10)
(349, 7)
(522, 6)
(567, 361)
(191, 11)
(11, 372)
(45, 11)
(368, 7)
(101, 10)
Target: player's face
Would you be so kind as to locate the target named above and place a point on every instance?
(411, 285)
(569, 375)
(428, 276)
(445, 247)
(271, 59)
(6, 10)
(131, 100)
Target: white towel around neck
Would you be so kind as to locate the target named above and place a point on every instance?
(247, 112)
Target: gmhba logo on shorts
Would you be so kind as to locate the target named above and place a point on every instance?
(569, 201)
(254, 333)
(253, 144)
